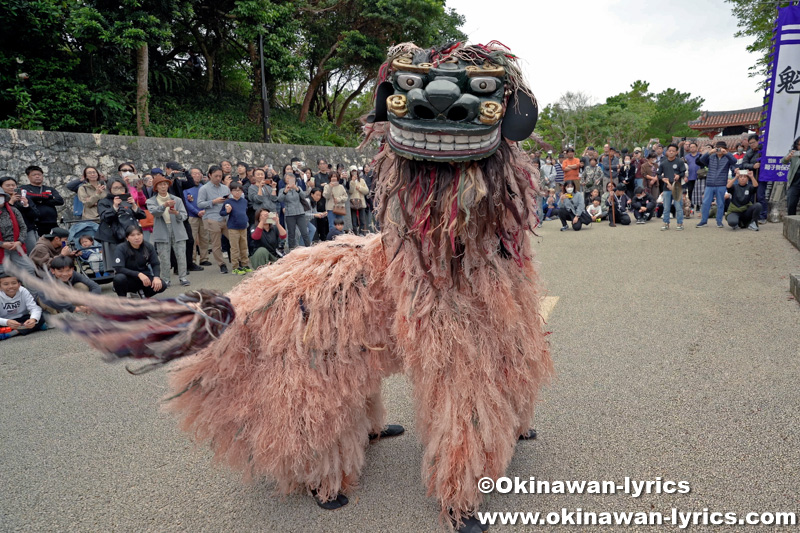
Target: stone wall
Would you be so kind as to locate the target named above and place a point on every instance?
(63, 155)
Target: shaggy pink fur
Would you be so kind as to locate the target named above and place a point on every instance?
(292, 388)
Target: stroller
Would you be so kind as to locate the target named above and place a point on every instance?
(90, 261)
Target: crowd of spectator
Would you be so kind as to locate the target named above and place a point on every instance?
(134, 229)
(682, 180)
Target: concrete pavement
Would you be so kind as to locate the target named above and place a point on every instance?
(676, 352)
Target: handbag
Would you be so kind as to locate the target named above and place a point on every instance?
(357, 203)
(148, 221)
(339, 209)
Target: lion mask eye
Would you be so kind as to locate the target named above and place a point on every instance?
(483, 85)
(409, 81)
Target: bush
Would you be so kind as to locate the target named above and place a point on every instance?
(225, 119)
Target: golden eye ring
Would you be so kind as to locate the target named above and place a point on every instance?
(491, 112)
(398, 105)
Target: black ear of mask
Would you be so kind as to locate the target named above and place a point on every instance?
(520, 118)
(384, 91)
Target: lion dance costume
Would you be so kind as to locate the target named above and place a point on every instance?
(285, 376)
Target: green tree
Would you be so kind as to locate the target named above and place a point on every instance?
(352, 37)
(756, 19)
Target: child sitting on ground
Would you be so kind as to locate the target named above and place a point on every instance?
(595, 210)
(19, 313)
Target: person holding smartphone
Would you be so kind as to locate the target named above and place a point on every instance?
(117, 212)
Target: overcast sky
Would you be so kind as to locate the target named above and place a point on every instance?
(600, 47)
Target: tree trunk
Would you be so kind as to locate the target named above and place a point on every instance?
(312, 90)
(142, 111)
(350, 98)
(254, 111)
(314, 82)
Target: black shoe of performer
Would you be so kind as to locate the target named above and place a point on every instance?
(336, 503)
(392, 430)
(528, 435)
(471, 524)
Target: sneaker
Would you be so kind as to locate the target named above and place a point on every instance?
(195, 268)
(223, 269)
(246, 269)
(4, 336)
(720, 226)
(734, 228)
(205, 263)
(665, 227)
(680, 227)
(564, 228)
(185, 282)
(702, 225)
(753, 226)
(239, 272)
(762, 220)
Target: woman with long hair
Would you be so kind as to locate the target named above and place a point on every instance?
(117, 212)
(358, 202)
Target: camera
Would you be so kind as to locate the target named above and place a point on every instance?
(181, 175)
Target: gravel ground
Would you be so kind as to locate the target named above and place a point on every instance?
(676, 355)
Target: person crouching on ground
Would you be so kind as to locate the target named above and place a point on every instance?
(743, 210)
(51, 246)
(169, 232)
(137, 267)
(643, 206)
(235, 209)
(571, 207)
(619, 203)
(19, 313)
(265, 237)
(62, 268)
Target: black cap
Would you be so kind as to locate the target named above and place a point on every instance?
(57, 232)
(174, 165)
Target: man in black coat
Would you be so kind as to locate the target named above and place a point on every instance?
(44, 197)
(643, 205)
(752, 161)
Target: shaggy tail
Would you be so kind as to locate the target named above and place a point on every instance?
(157, 329)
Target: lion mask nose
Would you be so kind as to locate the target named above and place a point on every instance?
(442, 94)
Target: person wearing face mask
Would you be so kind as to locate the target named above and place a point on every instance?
(12, 233)
(571, 208)
(24, 206)
(627, 176)
(548, 172)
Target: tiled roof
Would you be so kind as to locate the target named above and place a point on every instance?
(723, 119)
(731, 140)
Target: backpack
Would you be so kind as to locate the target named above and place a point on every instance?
(77, 207)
